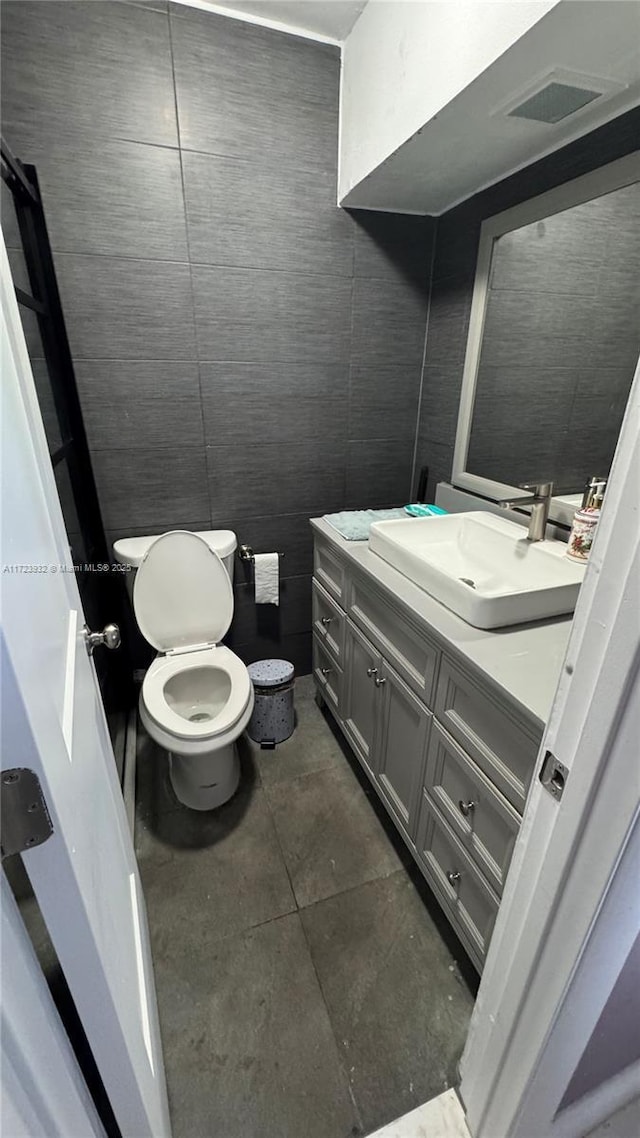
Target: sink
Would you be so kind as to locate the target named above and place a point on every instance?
(480, 566)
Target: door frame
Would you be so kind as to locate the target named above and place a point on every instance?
(571, 909)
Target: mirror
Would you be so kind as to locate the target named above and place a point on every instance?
(554, 339)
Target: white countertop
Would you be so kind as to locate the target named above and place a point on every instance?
(525, 661)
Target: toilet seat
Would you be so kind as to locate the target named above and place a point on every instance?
(219, 659)
(182, 594)
(196, 689)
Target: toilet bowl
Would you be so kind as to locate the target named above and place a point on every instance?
(196, 697)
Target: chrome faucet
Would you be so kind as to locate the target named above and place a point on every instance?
(540, 502)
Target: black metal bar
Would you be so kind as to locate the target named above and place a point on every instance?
(14, 174)
(29, 301)
(102, 593)
(62, 452)
(42, 278)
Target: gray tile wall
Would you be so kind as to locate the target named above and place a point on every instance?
(248, 355)
(454, 266)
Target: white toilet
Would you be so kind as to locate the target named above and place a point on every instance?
(196, 697)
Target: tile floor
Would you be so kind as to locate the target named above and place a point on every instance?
(308, 986)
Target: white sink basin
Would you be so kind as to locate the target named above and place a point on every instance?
(481, 566)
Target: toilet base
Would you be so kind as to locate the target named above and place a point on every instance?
(203, 782)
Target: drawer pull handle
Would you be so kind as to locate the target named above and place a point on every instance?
(372, 672)
(380, 682)
(326, 620)
(325, 671)
(467, 807)
(453, 876)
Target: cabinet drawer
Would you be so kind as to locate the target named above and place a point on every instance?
(329, 571)
(486, 824)
(504, 749)
(328, 676)
(468, 900)
(411, 652)
(328, 622)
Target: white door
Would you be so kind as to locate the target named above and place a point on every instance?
(42, 1090)
(85, 875)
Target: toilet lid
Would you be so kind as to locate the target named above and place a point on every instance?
(182, 594)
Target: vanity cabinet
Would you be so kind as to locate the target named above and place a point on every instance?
(449, 758)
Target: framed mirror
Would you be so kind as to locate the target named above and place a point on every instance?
(554, 337)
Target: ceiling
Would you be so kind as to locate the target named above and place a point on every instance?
(473, 142)
(319, 19)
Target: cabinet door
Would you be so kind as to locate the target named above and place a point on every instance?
(402, 748)
(361, 696)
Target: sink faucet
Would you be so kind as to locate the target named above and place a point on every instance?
(540, 501)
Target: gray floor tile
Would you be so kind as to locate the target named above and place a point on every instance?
(207, 876)
(399, 1007)
(250, 1051)
(312, 747)
(330, 836)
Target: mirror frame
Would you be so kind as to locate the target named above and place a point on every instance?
(623, 172)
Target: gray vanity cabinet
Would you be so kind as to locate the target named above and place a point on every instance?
(448, 753)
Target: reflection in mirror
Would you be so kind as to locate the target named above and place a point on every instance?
(559, 344)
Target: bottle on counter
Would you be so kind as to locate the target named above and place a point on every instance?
(585, 521)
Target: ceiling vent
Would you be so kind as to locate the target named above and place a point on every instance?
(554, 102)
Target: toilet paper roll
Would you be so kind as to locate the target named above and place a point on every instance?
(266, 567)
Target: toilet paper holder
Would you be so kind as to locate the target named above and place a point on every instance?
(245, 553)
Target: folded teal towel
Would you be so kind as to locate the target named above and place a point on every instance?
(420, 510)
(354, 525)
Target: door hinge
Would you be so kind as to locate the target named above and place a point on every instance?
(24, 816)
(553, 775)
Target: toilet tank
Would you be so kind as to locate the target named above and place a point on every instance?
(129, 551)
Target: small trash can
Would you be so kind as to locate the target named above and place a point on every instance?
(273, 719)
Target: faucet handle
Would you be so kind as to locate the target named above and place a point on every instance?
(540, 489)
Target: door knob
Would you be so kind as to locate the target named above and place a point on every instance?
(110, 637)
(466, 807)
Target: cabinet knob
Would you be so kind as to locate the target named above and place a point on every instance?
(453, 876)
(466, 807)
(372, 672)
(325, 671)
(380, 682)
(326, 620)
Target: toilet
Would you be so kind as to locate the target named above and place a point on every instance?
(196, 697)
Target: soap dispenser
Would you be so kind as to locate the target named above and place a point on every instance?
(585, 521)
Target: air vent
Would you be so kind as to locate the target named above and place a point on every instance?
(554, 102)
